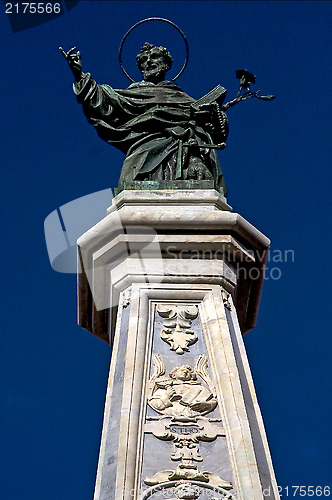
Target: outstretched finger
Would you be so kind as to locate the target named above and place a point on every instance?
(63, 52)
(78, 54)
(71, 50)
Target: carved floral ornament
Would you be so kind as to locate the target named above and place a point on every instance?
(177, 326)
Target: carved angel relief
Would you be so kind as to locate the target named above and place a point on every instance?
(176, 326)
(181, 394)
(226, 299)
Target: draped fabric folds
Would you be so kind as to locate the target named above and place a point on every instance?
(147, 122)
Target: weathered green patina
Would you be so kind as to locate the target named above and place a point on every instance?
(169, 138)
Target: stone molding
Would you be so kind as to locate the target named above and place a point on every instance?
(196, 224)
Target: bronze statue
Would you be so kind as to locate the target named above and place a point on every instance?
(165, 134)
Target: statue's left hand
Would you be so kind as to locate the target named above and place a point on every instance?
(74, 61)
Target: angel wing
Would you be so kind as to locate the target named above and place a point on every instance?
(159, 368)
(201, 370)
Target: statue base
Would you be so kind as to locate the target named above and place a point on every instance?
(172, 280)
(170, 184)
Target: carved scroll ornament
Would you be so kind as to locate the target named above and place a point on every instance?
(176, 326)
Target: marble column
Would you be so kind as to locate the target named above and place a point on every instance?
(172, 280)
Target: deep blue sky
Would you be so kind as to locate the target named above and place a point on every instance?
(278, 170)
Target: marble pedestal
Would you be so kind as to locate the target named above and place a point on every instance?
(171, 280)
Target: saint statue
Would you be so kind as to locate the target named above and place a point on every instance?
(165, 134)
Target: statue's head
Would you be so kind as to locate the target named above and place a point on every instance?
(184, 373)
(154, 62)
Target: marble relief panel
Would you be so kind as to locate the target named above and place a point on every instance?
(185, 452)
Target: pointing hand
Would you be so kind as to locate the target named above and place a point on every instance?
(74, 61)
